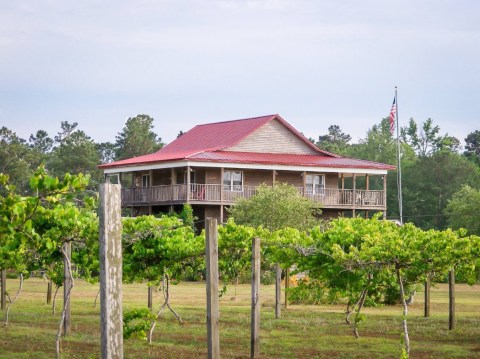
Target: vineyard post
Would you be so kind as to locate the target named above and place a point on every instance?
(49, 291)
(150, 297)
(255, 321)
(67, 283)
(427, 297)
(287, 283)
(3, 293)
(278, 291)
(451, 299)
(213, 335)
(111, 320)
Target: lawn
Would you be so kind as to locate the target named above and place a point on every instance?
(302, 332)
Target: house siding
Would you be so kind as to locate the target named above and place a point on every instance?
(292, 178)
(331, 180)
(212, 176)
(273, 137)
(255, 178)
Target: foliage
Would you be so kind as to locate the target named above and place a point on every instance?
(463, 209)
(429, 182)
(187, 217)
(75, 153)
(276, 207)
(137, 322)
(308, 292)
(472, 146)
(334, 141)
(234, 251)
(14, 158)
(154, 246)
(137, 138)
(427, 140)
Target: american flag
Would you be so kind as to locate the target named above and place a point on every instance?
(391, 118)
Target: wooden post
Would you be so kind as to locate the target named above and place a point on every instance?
(67, 283)
(304, 183)
(274, 177)
(111, 321)
(49, 291)
(213, 335)
(367, 188)
(222, 171)
(451, 299)
(3, 289)
(255, 313)
(149, 298)
(427, 298)
(188, 184)
(287, 284)
(278, 291)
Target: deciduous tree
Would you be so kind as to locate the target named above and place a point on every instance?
(276, 207)
(463, 209)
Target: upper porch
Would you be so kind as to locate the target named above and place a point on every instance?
(209, 194)
(223, 185)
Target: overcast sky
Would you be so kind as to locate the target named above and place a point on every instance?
(316, 63)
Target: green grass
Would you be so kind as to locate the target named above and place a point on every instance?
(302, 332)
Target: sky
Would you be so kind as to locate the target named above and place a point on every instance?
(316, 63)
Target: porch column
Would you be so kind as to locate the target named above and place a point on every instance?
(367, 188)
(274, 175)
(188, 184)
(221, 184)
(343, 181)
(354, 202)
(304, 182)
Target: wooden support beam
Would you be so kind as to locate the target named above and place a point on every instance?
(426, 304)
(111, 321)
(150, 297)
(49, 291)
(278, 291)
(287, 284)
(188, 184)
(255, 312)
(213, 328)
(67, 283)
(451, 299)
(3, 289)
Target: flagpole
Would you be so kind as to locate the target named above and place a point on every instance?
(399, 165)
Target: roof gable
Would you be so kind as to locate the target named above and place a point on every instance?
(274, 137)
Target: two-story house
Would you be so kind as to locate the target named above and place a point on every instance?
(213, 164)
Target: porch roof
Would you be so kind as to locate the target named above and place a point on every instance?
(257, 158)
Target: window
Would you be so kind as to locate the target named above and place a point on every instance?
(233, 181)
(315, 184)
(145, 180)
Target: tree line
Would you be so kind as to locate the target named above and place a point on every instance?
(71, 150)
(441, 181)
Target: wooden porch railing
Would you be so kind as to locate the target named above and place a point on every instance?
(212, 193)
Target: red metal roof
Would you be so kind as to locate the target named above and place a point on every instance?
(207, 143)
(288, 159)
